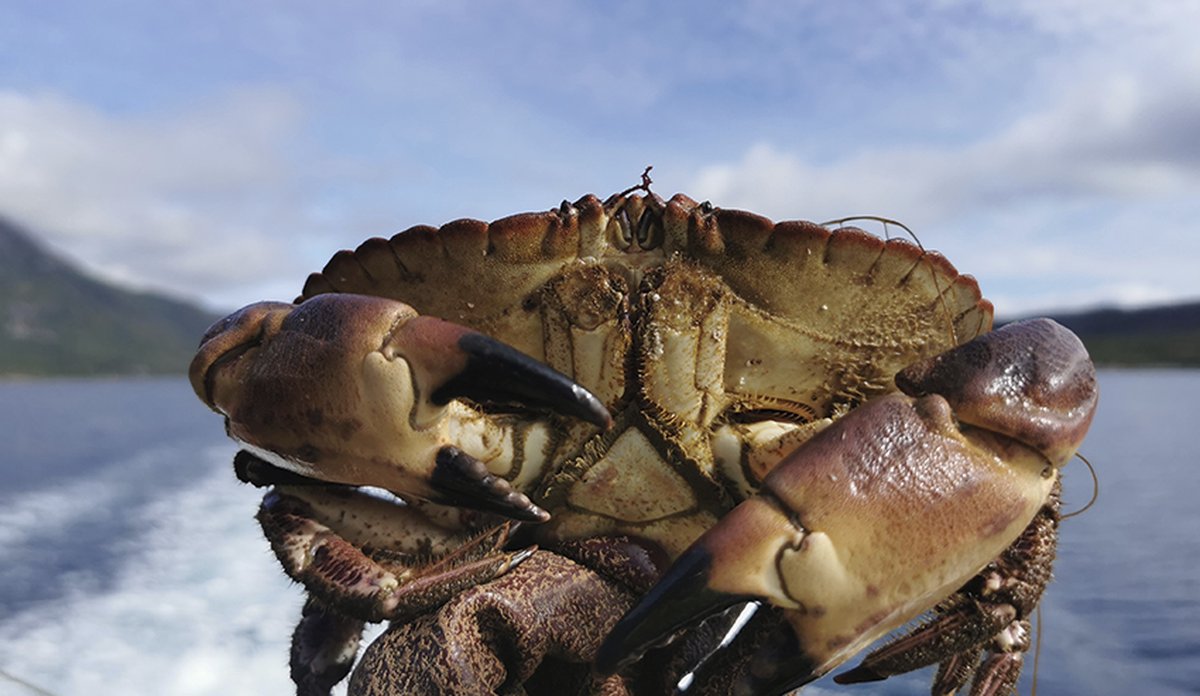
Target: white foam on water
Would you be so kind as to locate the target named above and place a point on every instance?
(51, 509)
(199, 607)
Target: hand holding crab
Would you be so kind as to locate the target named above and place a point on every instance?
(692, 406)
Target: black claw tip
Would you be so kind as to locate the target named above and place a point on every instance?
(461, 479)
(499, 373)
(680, 600)
(859, 675)
(250, 468)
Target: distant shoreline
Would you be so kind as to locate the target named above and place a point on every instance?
(17, 377)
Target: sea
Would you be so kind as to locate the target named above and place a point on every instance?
(130, 561)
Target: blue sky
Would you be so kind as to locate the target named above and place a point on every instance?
(221, 151)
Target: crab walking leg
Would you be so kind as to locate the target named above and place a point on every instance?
(317, 531)
(955, 671)
(494, 638)
(324, 646)
(363, 391)
(886, 512)
(317, 537)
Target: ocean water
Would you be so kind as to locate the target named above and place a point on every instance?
(130, 561)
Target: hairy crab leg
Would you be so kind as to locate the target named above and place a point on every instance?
(364, 391)
(371, 556)
(955, 671)
(886, 512)
(324, 646)
(323, 553)
(532, 631)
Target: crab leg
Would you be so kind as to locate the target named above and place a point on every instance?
(886, 512)
(363, 391)
(495, 638)
(370, 556)
(318, 543)
(954, 672)
(324, 646)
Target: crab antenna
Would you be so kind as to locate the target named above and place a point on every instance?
(644, 186)
(1095, 489)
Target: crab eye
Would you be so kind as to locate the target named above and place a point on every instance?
(650, 232)
(620, 230)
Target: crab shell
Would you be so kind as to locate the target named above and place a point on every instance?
(719, 342)
(716, 338)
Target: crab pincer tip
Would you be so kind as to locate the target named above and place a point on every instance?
(496, 372)
(521, 555)
(679, 601)
(460, 479)
(591, 409)
(859, 675)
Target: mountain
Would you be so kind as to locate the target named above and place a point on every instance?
(1163, 335)
(56, 320)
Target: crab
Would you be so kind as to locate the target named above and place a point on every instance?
(561, 451)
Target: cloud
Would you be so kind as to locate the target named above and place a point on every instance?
(179, 200)
(1093, 18)
(1117, 139)
(1088, 200)
(939, 113)
(1072, 99)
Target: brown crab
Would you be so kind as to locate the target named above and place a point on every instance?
(503, 437)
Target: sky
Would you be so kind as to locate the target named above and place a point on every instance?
(221, 151)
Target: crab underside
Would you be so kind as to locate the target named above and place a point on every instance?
(561, 451)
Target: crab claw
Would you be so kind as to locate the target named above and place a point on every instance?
(702, 582)
(886, 512)
(733, 563)
(461, 363)
(1031, 380)
(362, 390)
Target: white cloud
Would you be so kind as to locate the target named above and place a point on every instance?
(1053, 195)
(1094, 143)
(1125, 295)
(938, 113)
(180, 201)
(1091, 18)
